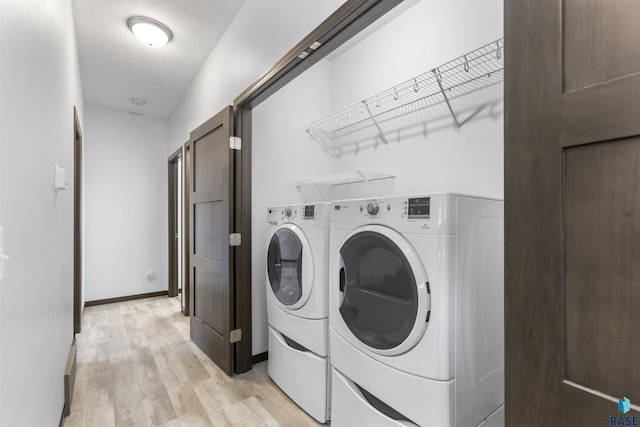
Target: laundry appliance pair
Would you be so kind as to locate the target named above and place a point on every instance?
(415, 303)
(297, 304)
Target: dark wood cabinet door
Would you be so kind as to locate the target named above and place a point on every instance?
(572, 211)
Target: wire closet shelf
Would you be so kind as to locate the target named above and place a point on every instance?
(373, 117)
(325, 185)
(345, 178)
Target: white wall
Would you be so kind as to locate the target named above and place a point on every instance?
(125, 203)
(430, 33)
(261, 33)
(40, 84)
(282, 154)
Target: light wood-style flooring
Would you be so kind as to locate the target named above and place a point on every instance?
(138, 367)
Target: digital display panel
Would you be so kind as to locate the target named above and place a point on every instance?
(309, 211)
(419, 208)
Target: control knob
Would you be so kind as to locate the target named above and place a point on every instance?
(287, 212)
(373, 208)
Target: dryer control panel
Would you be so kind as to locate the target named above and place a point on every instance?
(413, 208)
(416, 213)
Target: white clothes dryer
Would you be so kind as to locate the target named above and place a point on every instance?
(297, 304)
(416, 310)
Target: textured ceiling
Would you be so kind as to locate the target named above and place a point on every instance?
(116, 67)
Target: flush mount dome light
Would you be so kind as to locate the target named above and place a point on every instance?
(149, 31)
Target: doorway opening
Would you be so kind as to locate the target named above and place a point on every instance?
(176, 230)
(78, 238)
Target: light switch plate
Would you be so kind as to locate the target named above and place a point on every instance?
(60, 178)
(3, 257)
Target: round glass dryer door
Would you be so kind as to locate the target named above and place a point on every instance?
(384, 292)
(289, 266)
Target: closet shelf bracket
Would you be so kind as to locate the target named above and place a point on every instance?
(436, 73)
(375, 122)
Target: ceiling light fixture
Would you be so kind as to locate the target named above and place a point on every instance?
(138, 101)
(149, 31)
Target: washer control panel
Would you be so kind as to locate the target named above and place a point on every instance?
(316, 215)
(282, 214)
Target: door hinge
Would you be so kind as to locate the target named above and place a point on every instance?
(235, 239)
(235, 335)
(235, 143)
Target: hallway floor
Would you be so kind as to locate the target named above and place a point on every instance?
(137, 366)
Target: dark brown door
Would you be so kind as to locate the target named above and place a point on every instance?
(211, 222)
(572, 211)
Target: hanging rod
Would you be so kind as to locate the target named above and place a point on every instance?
(452, 79)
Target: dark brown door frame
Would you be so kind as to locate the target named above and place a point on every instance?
(351, 18)
(172, 217)
(187, 303)
(78, 237)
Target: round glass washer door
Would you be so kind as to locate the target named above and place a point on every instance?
(290, 266)
(383, 296)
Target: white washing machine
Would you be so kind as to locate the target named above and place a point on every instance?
(416, 311)
(297, 306)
